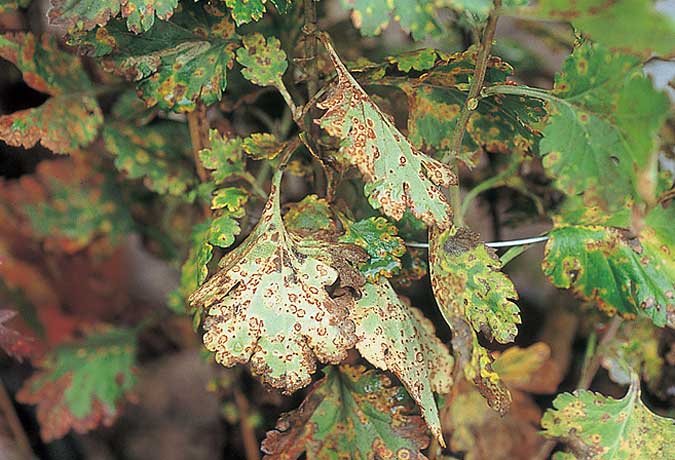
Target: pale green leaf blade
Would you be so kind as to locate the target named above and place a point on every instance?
(263, 60)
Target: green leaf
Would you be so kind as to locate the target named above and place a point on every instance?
(473, 295)
(624, 274)
(420, 60)
(268, 305)
(156, 153)
(398, 176)
(605, 115)
(263, 61)
(81, 385)
(310, 215)
(396, 337)
(633, 25)
(379, 238)
(597, 427)
(177, 62)
(13, 5)
(67, 121)
(417, 17)
(349, 412)
(224, 158)
(85, 14)
(230, 199)
(245, 11)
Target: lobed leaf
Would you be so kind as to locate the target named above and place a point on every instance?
(224, 157)
(349, 412)
(268, 305)
(78, 15)
(417, 17)
(263, 60)
(310, 215)
(263, 146)
(398, 176)
(597, 427)
(82, 385)
(396, 337)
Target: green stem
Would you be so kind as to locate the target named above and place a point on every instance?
(519, 90)
(495, 181)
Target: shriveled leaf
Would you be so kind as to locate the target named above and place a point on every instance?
(262, 146)
(349, 412)
(396, 337)
(224, 158)
(417, 17)
(379, 238)
(473, 295)
(64, 122)
(178, 62)
(245, 11)
(597, 427)
(268, 305)
(398, 176)
(85, 14)
(633, 25)
(624, 274)
(310, 215)
(82, 385)
(13, 342)
(605, 114)
(263, 60)
(156, 153)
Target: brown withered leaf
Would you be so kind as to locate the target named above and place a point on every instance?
(13, 342)
(268, 305)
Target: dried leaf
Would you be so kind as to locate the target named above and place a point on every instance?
(396, 337)
(82, 385)
(349, 412)
(268, 305)
(398, 176)
(13, 342)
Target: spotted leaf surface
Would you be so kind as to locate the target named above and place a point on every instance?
(597, 427)
(396, 337)
(625, 274)
(263, 60)
(398, 176)
(604, 116)
(310, 215)
(633, 25)
(177, 62)
(417, 17)
(500, 123)
(379, 238)
(473, 295)
(155, 153)
(81, 386)
(268, 305)
(86, 15)
(245, 11)
(349, 412)
(65, 122)
(224, 158)
(263, 146)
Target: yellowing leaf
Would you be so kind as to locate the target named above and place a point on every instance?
(352, 414)
(398, 176)
(396, 337)
(597, 427)
(263, 60)
(268, 305)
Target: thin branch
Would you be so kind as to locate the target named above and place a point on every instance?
(198, 125)
(15, 426)
(247, 431)
(311, 44)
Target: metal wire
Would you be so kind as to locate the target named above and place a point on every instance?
(493, 244)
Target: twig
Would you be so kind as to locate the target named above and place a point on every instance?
(247, 431)
(15, 425)
(311, 45)
(198, 125)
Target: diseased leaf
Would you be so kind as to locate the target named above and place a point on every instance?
(82, 385)
(65, 122)
(262, 146)
(633, 25)
(379, 238)
(417, 17)
(473, 295)
(597, 427)
(177, 62)
(396, 337)
(229, 199)
(224, 158)
(85, 14)
(156, 153)
(398, 176)
(263, 60)
(13, 5)
(624, 274)
(245, 11)
(604, 116)
(268, 305)
(13, 342)
(310, 215)
(349, 412)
